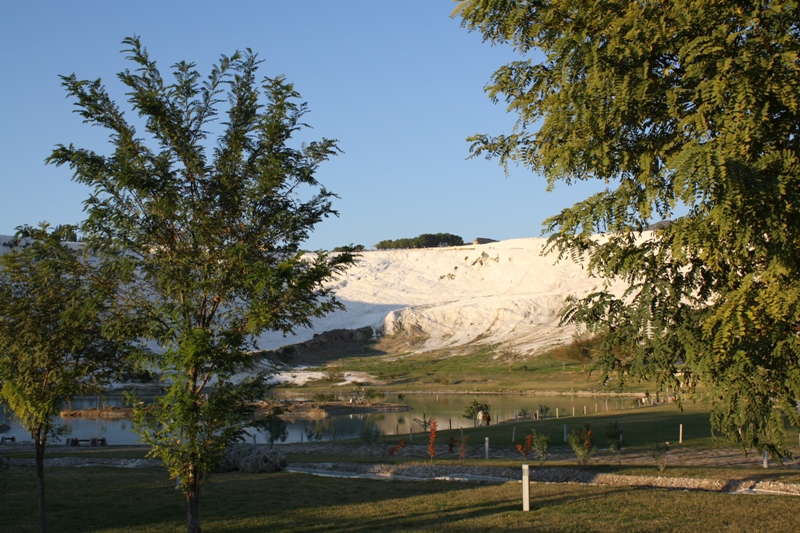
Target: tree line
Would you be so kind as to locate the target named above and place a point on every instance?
(426, 240)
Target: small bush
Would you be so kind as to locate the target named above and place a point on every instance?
(252, 460)
(659, 455)
(614, 436)
(371, 435)
(527, 447)
(582, 443)
(544, 411)
(398, 447)
(325, 397)
(371, 395)
(540, 442)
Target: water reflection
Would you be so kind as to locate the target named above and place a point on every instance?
(446, 408)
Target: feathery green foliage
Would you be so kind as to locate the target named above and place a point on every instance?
(212, 236)
(57, 324)
(691, 103)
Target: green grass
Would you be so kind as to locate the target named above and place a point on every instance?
(95, 500)
(478, 370)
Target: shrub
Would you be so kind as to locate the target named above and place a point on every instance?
(614, 436)
(462, 450)
(527, 447)
(424, 422)
(540, 442)
(398, 447)
(371, 395)
(371, 435)
(659, 455)
(325, 397)
(252, 460)
(432, 439)
(544, 411)
(582, 443)
(452, 442)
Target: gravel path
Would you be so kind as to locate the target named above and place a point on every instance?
(538, 475)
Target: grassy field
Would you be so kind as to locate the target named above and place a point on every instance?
(113, 500)
(485, 369)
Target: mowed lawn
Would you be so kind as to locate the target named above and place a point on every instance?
(144, 500)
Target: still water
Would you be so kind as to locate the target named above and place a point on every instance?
(446, 408)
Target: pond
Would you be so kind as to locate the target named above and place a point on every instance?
(448, 409)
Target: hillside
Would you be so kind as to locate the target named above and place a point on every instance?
(459, 297)
(455, 298)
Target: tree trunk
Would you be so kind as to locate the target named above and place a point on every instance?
(193, 501)
(39, 444)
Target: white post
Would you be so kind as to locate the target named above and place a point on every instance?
(573, 411)
(487, 447)
(595, 408)
(526, 488)
(565, 433)
(556, 412)
(513, 434)
(680, 437)
(765, 459)
(584, 409)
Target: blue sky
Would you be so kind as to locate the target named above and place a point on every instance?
(399, 84)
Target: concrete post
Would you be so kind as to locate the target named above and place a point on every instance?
(680, 436)
(526, 488)
(487, 447)
(765, 459)
(513, 434)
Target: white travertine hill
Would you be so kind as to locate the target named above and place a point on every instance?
(498, 293)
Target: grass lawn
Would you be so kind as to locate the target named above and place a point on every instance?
(144, 500)
(482, 370)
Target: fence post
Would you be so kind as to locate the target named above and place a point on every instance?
(526, 488)
(513, 434)
(565, 433)
(680, 437)
(487, 447)
(765, 459)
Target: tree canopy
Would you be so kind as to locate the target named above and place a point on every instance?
(58, 325)
(210, 234)
(685, 108)
(426, 240)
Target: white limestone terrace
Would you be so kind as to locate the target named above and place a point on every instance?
(498, 293)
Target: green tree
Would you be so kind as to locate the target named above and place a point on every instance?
(212, 232)
(674, 105)
(580, 350)
(426, 240)
(56, 319)
(476, 408)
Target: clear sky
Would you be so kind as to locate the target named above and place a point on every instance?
(398, 83)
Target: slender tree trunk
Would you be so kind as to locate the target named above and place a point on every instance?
(193, 501)
(39, 444)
